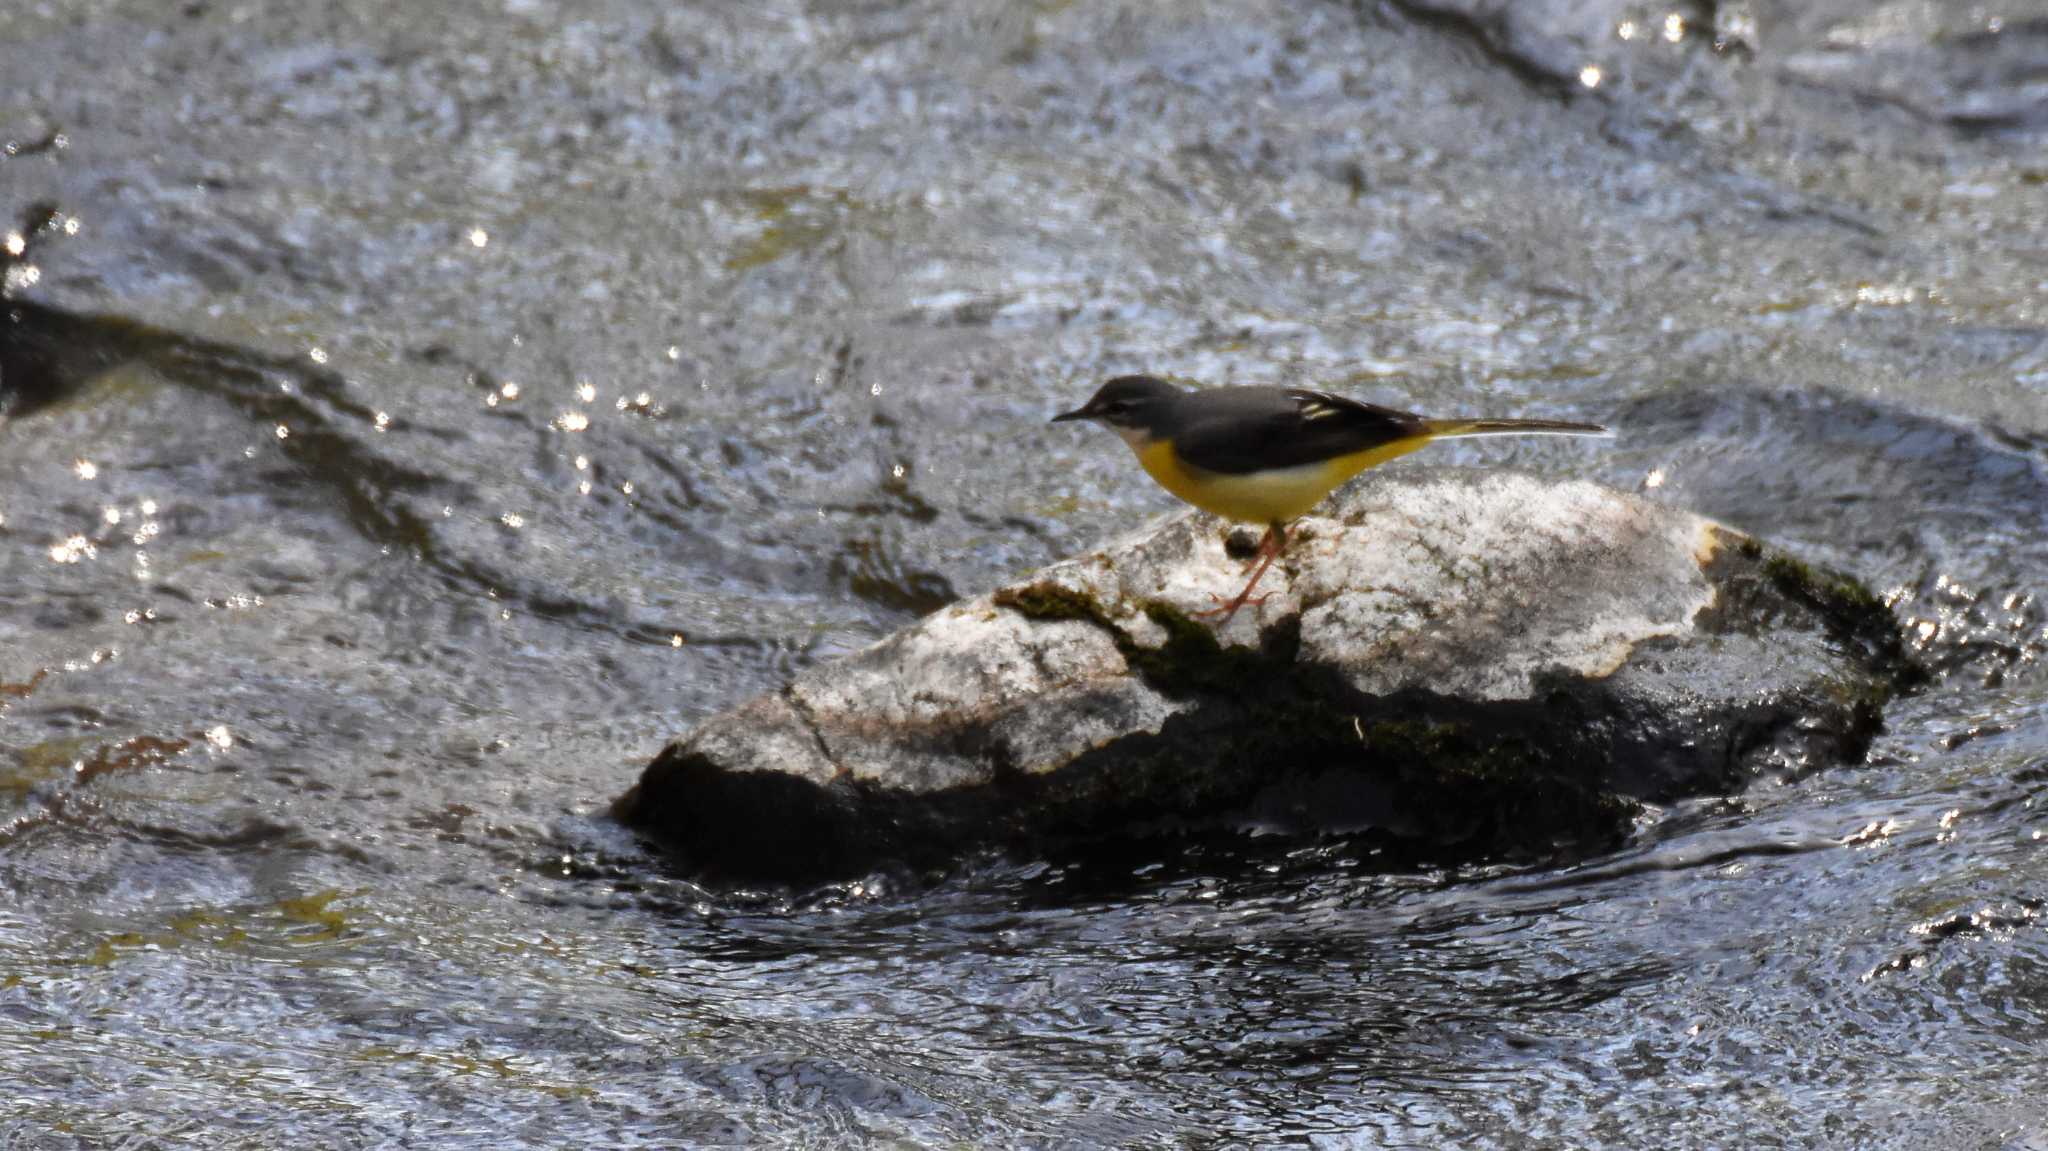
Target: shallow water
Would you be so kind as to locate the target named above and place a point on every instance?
(432, 412)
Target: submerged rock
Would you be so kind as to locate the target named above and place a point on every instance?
(1472, 664)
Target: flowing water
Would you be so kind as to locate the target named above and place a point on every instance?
(415, 414)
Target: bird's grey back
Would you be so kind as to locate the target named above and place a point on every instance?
(1237, 431)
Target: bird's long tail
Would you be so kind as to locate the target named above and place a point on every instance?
(1452, 429)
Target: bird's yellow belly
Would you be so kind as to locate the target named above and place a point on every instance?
(1263, 497)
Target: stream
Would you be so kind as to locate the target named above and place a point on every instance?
(412, 416)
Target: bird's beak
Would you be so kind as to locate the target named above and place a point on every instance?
(1076, 414)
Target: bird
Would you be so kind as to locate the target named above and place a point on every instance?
(1266, 455)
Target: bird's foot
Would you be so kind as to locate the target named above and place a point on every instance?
(1226, 608)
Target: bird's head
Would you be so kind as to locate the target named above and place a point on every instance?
(1134, 407)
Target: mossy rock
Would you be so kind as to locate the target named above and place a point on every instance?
(1470, 666)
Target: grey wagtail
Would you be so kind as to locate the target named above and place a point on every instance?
(1267, 455)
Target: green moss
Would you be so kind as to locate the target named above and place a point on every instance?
(1488, 785)
(1758, 585)
(1824, 590)
(1433, 746)
(793, 219)
(1048, 601)
(1461, 783)
(1190, 661)
(1853, 615)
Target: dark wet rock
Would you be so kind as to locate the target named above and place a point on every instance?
(1544, 45)
(1470, 664)
(1969, 69)
(1962, 615)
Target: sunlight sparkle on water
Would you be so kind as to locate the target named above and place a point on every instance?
(1885, 295)
(1674, 28)
(85, 469)
(1873, 832)
(72, 550)
(478, 237)
(1590, 75)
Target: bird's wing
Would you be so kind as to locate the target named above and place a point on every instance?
(1236, 431)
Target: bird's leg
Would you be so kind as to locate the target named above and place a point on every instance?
(1269, 550)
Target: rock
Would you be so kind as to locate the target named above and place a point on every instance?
(1472, 665)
